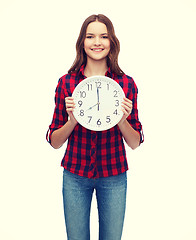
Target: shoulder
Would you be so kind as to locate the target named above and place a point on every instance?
(126, 81)
(68, 82)
(129, 79)
(68, 77)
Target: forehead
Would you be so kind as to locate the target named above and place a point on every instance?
(96, 28)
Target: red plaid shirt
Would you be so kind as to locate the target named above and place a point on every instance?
(89, 153)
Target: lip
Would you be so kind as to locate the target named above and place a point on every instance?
(97, 49)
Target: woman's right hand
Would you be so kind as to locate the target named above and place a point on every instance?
(70, 105)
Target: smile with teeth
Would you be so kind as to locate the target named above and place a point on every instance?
(97, 49)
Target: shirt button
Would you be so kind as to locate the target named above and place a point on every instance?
(91, 167)
(92, 151)
(94, 136)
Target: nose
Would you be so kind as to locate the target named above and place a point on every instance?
(97, 41)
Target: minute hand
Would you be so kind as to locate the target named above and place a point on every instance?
(98, 99)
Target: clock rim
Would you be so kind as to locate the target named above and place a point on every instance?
(95, 78)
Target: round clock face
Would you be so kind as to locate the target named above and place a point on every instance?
(98, 103)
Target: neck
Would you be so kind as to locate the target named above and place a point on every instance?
(94, 68)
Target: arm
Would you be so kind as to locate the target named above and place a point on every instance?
(131, 136)
(60, 135)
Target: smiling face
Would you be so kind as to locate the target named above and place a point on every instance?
(97, 43)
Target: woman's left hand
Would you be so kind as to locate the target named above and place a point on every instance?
(127, 107)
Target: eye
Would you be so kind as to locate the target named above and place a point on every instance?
(105, 37)
(89, 37)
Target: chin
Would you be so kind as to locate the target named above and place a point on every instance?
(98, 57)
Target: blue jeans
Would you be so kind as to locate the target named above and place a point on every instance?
(111, 202)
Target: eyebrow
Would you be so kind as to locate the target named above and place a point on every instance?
(94, 34)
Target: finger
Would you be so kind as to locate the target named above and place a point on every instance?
(125, 115)
(127, 108)
(69, 98)
(127, 99)
(127, 102)
(70, 104)
(69, 110)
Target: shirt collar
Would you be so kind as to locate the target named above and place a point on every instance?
(108, 73)
(81, 71)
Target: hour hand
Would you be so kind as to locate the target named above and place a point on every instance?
(92, 106)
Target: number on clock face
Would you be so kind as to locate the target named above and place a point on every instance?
(98, 103)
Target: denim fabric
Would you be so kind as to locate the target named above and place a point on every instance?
(111, 202)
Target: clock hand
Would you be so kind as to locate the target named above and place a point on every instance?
(97, 102)
(98, 98)
(92, 106)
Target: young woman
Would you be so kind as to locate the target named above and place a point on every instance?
(95, 160)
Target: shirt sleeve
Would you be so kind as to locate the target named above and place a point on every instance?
(60, 115)
(133, 118)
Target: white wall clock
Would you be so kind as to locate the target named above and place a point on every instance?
(98, 103)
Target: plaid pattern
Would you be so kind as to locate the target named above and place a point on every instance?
(89, 153)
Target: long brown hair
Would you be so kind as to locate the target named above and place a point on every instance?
(112, 58)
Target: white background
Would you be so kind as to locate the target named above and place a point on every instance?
(37, 47)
